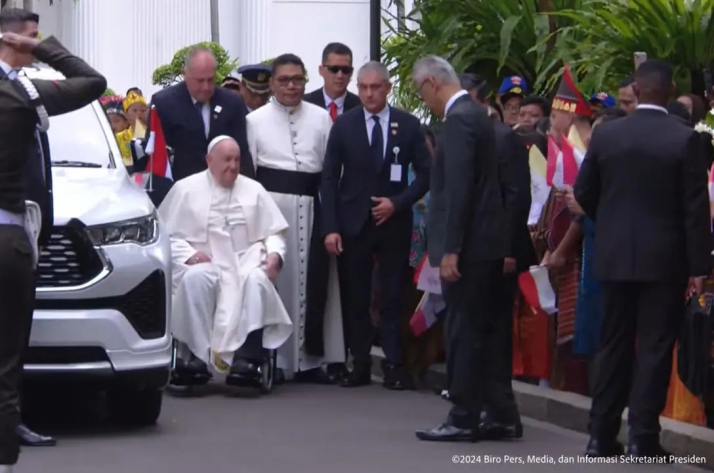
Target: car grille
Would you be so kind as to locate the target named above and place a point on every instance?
(144, 306)
(68, 260)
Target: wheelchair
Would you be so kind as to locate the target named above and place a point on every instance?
(182, 382)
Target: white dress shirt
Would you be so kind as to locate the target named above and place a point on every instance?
(383, 121)
(339, 101)
(649, 106)
(453, 99)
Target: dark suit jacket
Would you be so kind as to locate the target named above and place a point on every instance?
(643, 183)
(350, 178)
(515, 179)
(317, 97)
(184, 130)
(466, 212)
(81, 86)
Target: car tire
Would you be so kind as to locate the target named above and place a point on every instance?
(134, 407)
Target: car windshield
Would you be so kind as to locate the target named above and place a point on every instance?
(78, 137)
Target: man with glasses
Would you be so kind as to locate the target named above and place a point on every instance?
(287, 139)
(336, 70)
(512, 91)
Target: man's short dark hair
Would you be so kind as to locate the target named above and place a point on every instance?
(474, 83)
(655, 76)
(626, 83)
(14, 19)
(135, 89)
(285, 60)
(609, 114)
(539, 101)
(336, 48)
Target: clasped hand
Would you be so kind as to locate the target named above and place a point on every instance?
(272, 266)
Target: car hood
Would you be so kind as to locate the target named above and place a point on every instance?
(96, 196)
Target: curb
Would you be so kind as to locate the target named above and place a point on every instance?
(571, 411)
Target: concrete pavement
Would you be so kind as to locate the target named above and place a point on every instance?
(297, 429)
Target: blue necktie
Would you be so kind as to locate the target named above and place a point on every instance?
(377, 146)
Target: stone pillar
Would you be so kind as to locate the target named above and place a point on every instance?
(252, 23)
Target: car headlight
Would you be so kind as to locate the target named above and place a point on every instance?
(141, 231)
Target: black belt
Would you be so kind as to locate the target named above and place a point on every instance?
(281, 181)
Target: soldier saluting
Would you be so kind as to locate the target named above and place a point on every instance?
(24, 107)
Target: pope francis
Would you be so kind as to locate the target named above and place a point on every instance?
(228, 246)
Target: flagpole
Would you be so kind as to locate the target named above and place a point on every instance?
(151, 173)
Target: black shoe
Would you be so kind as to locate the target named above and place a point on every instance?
(358, 377)
(314, 376)
(337, 372)
(447, 433)
(647, 448)
(598, 448)
(491, 430)
(396, 379)
(245, 372)
(191, 367)
(28, 438)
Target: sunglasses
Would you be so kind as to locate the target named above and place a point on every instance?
(346, 70)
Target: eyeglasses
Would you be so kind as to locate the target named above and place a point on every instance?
(346, 70)
(298, 81)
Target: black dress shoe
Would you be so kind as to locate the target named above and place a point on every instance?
(357, 378)
(447, 433)
(28, 438)
(337, 372)
(647, 448)
(245, 372)
(314, 376)
(599, 448)
(396, 379)
(193, 366)
(491, 430)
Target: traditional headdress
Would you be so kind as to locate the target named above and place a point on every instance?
(131, 99)
(112, 104)
(568, 98)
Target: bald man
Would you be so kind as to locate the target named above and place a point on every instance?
(195, 111)
(228, 246)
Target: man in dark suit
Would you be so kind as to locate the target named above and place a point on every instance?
(336, 70)
(24, 103)
(467, 241)
(38, 172)
(367, 210)
(515, 180)
(195, 111)
(643, 183)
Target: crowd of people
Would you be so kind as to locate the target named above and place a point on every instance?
(300, 222)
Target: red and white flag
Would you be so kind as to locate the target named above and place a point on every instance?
(537, 290)
(563, 163)
(159, 164)
(426, 313)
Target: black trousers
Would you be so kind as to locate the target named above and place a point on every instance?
(16, 306)
(474, 326)
(391, 244)
(633, 365)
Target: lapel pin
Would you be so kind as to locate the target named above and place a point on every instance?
(218, 109)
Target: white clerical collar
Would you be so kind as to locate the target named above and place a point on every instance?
(339, 101)
(383, 115)
(649, 106)
(285, 108)
(453, 99)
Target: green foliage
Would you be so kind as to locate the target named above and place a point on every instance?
(169, 74)
(108, 93)
(492, 38)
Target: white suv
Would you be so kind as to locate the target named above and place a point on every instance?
(103, 281)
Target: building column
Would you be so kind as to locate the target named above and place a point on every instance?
(253, 17)
(80, 29)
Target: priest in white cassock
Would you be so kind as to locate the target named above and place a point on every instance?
(287, 139)
(228, 246)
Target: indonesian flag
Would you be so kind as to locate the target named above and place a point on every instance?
(156, 149)
(711, 184)
(426, 313)
(563, 163)
(537, 290)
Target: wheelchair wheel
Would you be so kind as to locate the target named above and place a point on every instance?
(267, 372)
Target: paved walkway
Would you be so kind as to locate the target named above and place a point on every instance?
(297, 429)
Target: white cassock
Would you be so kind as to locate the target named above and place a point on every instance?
(293, 141)
(217, 304)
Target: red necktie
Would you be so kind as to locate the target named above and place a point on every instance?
(333, 111)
